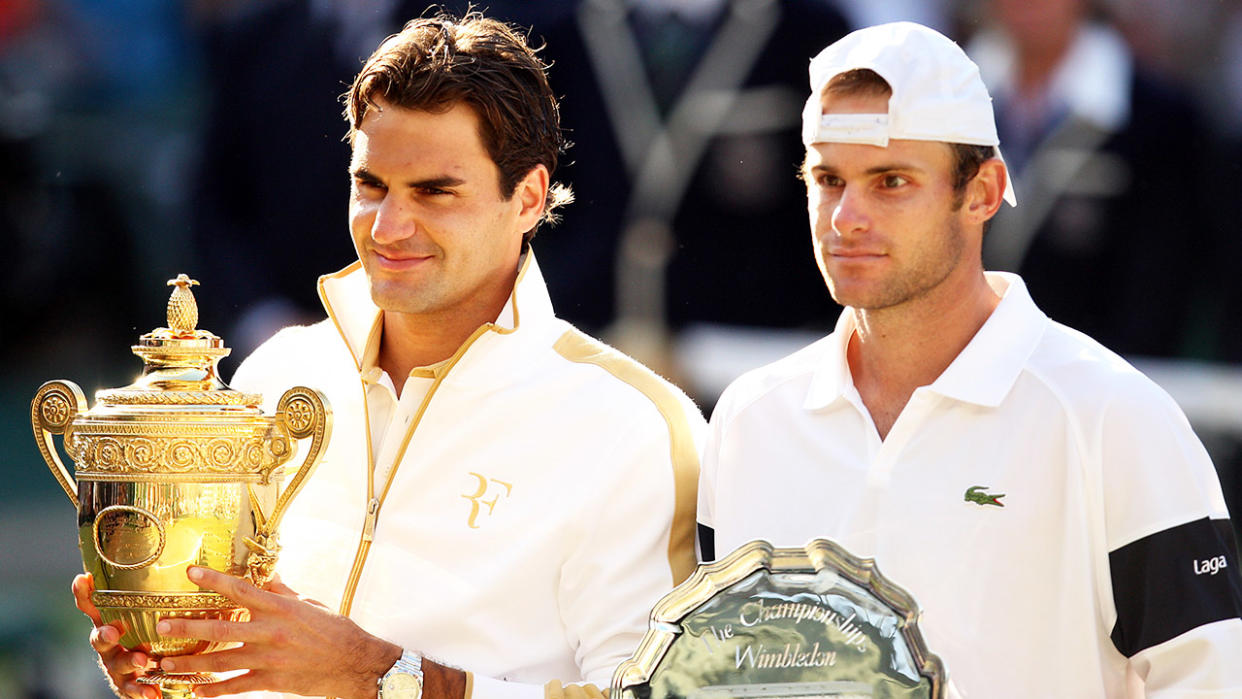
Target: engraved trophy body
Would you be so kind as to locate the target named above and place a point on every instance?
(784, 623)
(175, 470)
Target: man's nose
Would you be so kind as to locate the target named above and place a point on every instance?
(849, 213)
(394, 221)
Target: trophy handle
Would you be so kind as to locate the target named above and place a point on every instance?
(51, 412)
(305, 413)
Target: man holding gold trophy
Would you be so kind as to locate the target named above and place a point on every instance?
(502, 493)
(1047, 505)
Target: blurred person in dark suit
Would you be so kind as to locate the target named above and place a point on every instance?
(1229, 192)
(684, 117)
(1112, 161)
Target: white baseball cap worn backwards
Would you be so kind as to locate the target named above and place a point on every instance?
(937, 92)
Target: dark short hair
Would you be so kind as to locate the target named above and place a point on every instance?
(435, 63)
(966, 157)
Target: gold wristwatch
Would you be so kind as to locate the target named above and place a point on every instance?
(404, 680)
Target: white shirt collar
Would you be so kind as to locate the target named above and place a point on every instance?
(346, 296)
(984, 371)
(832, 380)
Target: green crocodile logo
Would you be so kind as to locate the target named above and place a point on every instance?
(976, 495)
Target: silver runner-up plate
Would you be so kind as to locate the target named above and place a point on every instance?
(768, 622)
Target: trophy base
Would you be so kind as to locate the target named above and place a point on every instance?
(174, 685)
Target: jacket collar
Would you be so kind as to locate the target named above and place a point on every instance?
(346, 296)
(984, 371)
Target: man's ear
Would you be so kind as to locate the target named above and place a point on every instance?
(986, 191)
(531, 194)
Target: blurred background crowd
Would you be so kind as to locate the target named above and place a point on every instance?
(143, 138)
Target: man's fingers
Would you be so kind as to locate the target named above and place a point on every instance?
(122, 666)
(246, 682)
(278, 587)
(116, 660)
(218, 630)
(104, 638)
(83, 586)
(134, 689)
(236, 589)
(205, 629)
(220, 661)
(316, 603)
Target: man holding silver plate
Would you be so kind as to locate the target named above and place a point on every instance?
(502, 493)
(1047, 505)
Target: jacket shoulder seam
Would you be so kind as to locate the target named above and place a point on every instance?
(576, 346)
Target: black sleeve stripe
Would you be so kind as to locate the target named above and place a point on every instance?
(707, 543)
(1173, 581)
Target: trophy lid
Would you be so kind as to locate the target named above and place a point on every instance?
(180, 361)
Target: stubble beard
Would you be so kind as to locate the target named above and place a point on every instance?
(403, 295)
(905, 285)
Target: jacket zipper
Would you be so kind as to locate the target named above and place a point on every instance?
(375, 503)
(364, 547)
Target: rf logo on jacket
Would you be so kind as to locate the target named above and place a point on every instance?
(485, 487)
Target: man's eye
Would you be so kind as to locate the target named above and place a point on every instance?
(895, 181)
(830, 181)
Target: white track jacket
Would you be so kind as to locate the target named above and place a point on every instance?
(537, 504)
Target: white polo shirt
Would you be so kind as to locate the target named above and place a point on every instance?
(1048, 506)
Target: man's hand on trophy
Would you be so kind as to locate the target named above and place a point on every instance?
(289, 644)
(121, 666)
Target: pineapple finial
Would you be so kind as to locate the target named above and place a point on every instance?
(182, 309)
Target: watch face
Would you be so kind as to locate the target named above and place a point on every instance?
(400, 685)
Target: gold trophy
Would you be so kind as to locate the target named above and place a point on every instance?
(174, 470)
